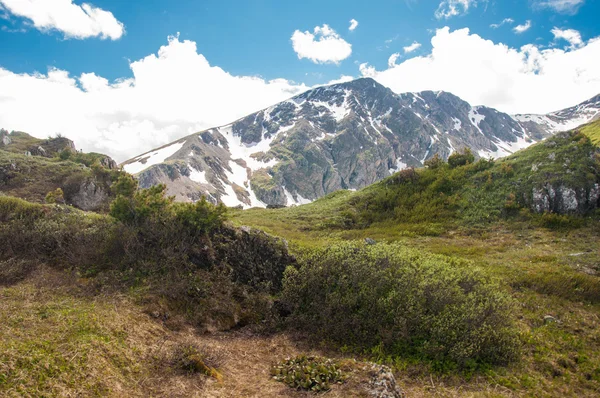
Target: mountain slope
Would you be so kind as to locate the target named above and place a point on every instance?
(344, 136)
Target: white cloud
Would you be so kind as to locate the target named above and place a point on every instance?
(392, 60)
(74, 21)
(342, 79)
(171, 94)
(413, 47)
(451, 8)
(353, 24)
(366, 70)
(504, 22)
(522, 28)
(524, 80)
(324, 46)
(561, 6)
(570, 35)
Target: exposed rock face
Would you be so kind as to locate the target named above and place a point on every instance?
(562, 199)
(344, 136)
(91, 196)
(564, 177)
(108, 162)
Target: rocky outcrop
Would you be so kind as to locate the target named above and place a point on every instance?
(90, 196)
(4, 138)
(562, 199)
(108, 163)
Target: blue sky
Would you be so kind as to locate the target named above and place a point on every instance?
(125, 76)
(253, 37)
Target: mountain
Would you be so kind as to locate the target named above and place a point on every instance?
(564, 120)
(343, 136)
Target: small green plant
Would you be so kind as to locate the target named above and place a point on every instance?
(308, 373)
(56, 196)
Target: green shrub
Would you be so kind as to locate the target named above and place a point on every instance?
(401, 302)
(308, 373)
(461, 158)
(200, 217)
(56, 196)
(435, 162)
(186, 258)
(145, 205)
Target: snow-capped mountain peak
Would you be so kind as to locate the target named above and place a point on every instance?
(342, 136)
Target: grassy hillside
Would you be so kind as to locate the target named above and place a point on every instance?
(483, 212)
(440, 198)
(592, 130)
(462, 286)
(32, 175)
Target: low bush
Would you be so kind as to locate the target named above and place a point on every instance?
(559, 221)
(308, 373)
(400, 302)
(182, 256)
(461, 158)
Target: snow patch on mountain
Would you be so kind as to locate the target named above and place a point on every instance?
(290, 200)
(400, 165)
(198, 176)
(240, 150)
(148, 159)
(457, 124)
(475, 118)
(506, 148)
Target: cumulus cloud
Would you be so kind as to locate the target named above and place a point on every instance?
(514, 80)
(570, 35)
(171, 94)
(413, 47)
(392, 60)
(321, 47)
(522, 28)
(353, 24)
(74, 21)
(570, 7)
(504, 22)
(367, 70)
(451, 8)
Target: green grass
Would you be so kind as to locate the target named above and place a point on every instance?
(54, 341)
(592, 130)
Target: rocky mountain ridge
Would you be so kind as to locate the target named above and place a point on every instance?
(343, 136)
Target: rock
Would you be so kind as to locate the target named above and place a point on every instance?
(370, 241)
(549, 319)
(90, 196)
(5, 140)
(108, 163)
(245, 229)
(383, 383)
(562, 199)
